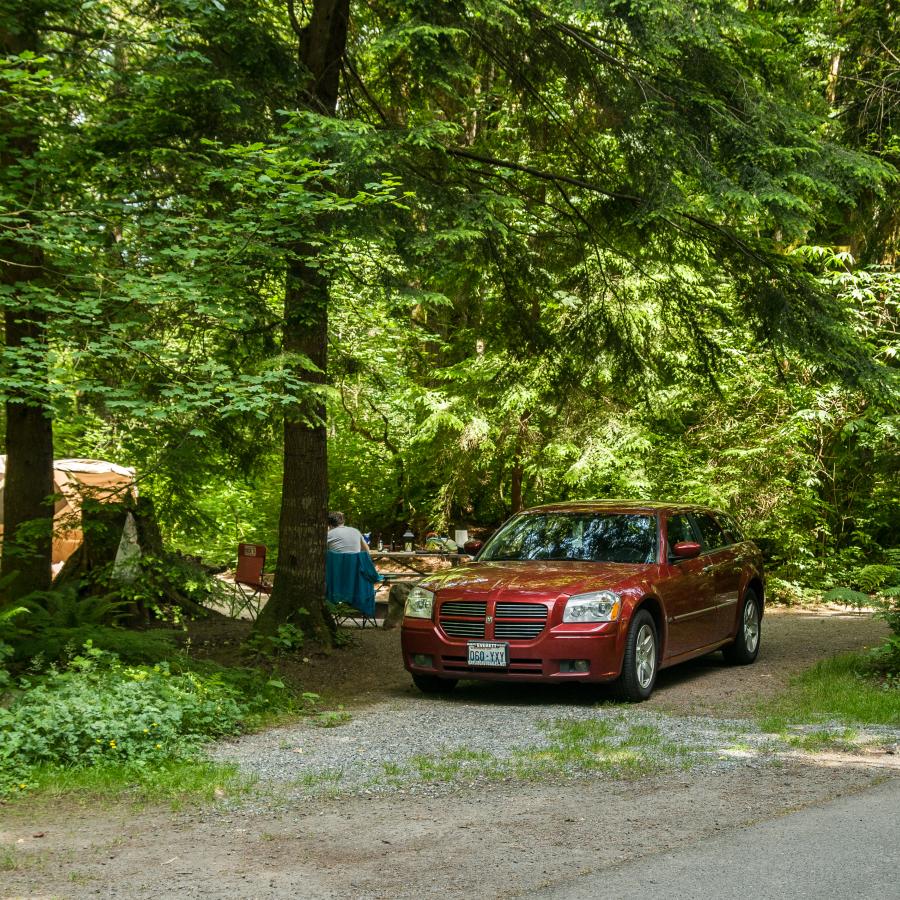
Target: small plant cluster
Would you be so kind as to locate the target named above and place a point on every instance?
(101, 710)
(288, 638)
(876, 586)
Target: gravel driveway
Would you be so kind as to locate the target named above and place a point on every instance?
(402, 739)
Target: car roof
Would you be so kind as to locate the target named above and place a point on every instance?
(630, 506)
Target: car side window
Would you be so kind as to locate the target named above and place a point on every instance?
(731, 528)
(713, 535)
(678, 529)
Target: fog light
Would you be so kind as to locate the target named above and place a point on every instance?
(575, 665)
(423, 660)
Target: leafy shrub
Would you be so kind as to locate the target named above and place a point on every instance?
(889, 610)
(101, 710)
(59, 645)
(6, 650)
(161, 580)
(847, 596)
(785, 593)
(288, 638)
(872, 577)
(63, 608)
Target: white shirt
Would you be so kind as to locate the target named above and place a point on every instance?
(345, 539)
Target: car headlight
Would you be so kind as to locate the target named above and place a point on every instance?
(419, 603)
(595, 606)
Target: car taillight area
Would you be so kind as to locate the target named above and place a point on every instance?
(499, 620)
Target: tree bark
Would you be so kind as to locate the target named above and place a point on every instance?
(298, 593)
(28, 485)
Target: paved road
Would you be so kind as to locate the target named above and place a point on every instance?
(849, 848)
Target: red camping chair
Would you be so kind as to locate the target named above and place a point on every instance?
(249, 574)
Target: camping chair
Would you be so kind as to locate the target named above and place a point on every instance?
(343, 613)
(350, 580)
(249, 574)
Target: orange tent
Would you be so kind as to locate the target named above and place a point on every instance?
(76, 480)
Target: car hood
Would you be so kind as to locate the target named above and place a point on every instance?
(532, 579)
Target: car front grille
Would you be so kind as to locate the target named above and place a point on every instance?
(463, 629)
(463, 608)
(512, 621)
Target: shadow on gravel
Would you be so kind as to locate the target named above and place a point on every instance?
(575, 694)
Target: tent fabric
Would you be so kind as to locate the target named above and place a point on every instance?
(75, 480)
(93, 467)
(351, 578)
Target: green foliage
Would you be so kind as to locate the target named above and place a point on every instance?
(65, 609)
(872, 577)
(101, 710)
(572, 250)
(332, 718)
(157, 581)
(788, 593)
(849, 688)
(172, 779)
(847, 596)
(288, 638)
(54, 645)
(6, 650)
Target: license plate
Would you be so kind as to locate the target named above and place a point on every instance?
(488, 653)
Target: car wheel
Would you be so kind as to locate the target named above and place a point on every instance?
(641, 660)
(745, 647)
(431, 684)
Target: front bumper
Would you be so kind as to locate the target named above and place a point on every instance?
(539, 659)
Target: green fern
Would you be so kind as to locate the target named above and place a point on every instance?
(65, 609)
(870, 578)
(847, 596)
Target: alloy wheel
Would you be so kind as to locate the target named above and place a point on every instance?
(645, 656)
(751, 626)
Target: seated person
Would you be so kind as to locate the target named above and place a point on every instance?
(350, 575)
(344, 538)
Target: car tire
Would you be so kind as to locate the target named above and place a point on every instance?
(431, 684)
(641, 661)
(745, 647)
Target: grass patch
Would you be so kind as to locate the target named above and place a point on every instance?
(170, 781)
(332, 718)
(455, 764)
(14, 860)
(596, 745)
(574, 747)
(844, 688)
(318, 779)
(823, 739)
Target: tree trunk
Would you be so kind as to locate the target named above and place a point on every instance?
(299, 590)
(515, 491)
(28, 485)
(518, 466)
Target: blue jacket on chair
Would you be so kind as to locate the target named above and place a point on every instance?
(350, 578)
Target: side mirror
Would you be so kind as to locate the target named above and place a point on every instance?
(472, 547)
(686, 549)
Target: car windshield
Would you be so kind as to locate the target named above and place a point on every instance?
(590, 537)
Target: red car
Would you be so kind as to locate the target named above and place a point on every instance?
(590, 591)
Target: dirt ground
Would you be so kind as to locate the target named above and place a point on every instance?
(506, 840)
(516, 840)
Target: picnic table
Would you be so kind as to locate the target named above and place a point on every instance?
(406, 558)
(411, 569)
